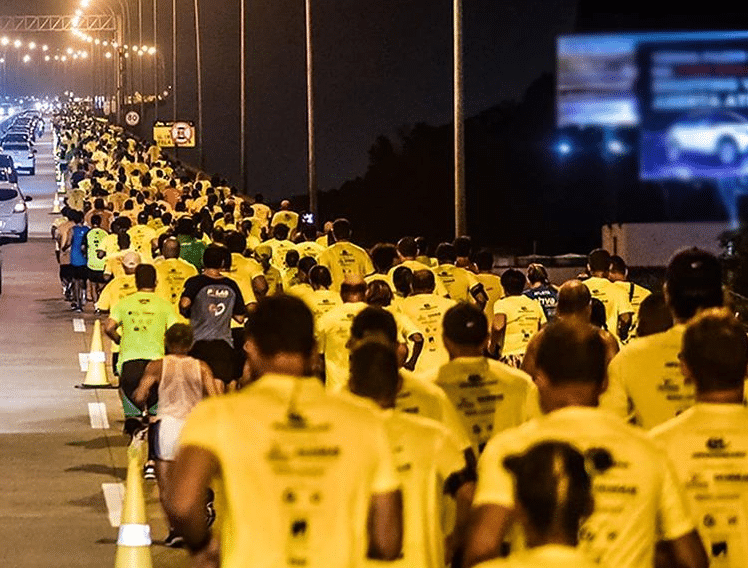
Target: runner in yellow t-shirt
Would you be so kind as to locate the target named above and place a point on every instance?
(428, 458)
(516, 319)
(349, 508)
(618, 310)
(344, 259)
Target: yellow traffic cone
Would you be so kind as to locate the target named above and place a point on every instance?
(134, 540)
(55, 207)
(96, 377)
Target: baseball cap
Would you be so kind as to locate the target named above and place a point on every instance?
(130, 259)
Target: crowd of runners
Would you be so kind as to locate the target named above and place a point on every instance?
(338, 406)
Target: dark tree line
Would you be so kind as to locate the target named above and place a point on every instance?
(522, 195)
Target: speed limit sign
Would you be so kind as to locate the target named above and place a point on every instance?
(132, 118)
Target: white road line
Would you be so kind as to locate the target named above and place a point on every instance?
(79, 325)
(114, 495)
(83, 361)
(97, 414)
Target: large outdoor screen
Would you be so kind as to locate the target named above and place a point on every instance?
(687, 92)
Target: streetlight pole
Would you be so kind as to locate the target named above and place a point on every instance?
(140, 58)
(198, 63)
(459, 128)
(243, 96)
(174, 60)
(155, 61)
(311, 157)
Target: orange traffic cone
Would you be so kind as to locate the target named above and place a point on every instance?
(96, 377)
(134, 540)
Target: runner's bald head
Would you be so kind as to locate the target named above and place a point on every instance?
(573, 298)
(423, 282)
(353, 288)
(170, 248)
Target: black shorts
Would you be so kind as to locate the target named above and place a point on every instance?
(96, 276)
(78, 272)
(218, 355)
(66, 272)
(132, 372)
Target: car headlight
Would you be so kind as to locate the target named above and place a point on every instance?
(20, 207)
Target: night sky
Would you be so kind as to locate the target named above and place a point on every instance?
(379, 66)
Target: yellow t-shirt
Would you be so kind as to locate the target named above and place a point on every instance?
(639, 293)
(274, 279)
(427, 312)
(288, 218)
(345, 259)
(298, 468)
(489, 396)
(645, 382)
(614, 299)
(309, 248)
(333, 334)
(545, 556)
(321, 301)
(708, 444)
(280, 248)
(524, 316)
(457, 281)
(424, 398)
(262, 213)
(116, 289)
(171, 274)
(426, 455)
(494, 290)
(140, 240)
(635, 500)
(439, 290)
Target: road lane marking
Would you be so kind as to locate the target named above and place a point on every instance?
(79, 326)
(114, 495)
(83, 361)
(97, 414)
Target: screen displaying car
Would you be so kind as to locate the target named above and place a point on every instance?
(14, 215)
(719, 134)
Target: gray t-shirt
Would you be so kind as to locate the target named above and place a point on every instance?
(214, 301)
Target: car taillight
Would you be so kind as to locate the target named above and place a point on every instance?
(19, 207)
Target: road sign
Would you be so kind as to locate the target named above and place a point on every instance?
(179, 134)
(132, 118)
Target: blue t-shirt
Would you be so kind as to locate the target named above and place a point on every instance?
(548, 298)
(77, 256)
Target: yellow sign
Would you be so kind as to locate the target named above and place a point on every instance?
(174, 134)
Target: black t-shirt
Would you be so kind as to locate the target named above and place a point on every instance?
(214, 301)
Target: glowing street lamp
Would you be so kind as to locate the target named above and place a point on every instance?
(17, 43)
(45, 47)
(26, 58)
(4, 41)
(32, 45)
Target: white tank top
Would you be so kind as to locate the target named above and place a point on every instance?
(181, 386)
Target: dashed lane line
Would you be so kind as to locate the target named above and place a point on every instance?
(79, 325)
(114, 496)
(97, 414)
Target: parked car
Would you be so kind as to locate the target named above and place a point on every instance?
(14, 215)
(23, 155)
(721, 134)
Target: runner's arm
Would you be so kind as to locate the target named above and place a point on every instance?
(191, 472)
(110, 328)
(211, 385)
(498, 331)
(417, 339)
(485, 533)
(385, 525)
(151, 377)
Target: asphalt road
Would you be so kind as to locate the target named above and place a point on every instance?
(62, 447)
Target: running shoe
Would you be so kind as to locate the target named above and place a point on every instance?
(173, 540)
(149, 470)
